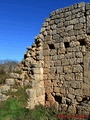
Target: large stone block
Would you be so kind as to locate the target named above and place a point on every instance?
(77, 68)
(69, 76)
(59, 69)
(45, 52)
(74, 21)
(53, 52)
(72, 110)
(10, 81)
(86, 89)
(67, 69)
(3, 97)
(60, 57)
(78, 26)
(38, 92)
(14, 75)
(76, 84)
(79, 76)
(65, 61)
(37, 70)
(31, 103)
(4, 88)
(48, 90)
(41, 100)
(78, 92)
(56, 89)
(47, 83)
(57, 63)
(70, 27)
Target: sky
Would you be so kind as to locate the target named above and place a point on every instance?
(21, 21)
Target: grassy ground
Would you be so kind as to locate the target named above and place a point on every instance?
(13, 110)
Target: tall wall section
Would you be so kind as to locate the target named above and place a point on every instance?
(66, 51)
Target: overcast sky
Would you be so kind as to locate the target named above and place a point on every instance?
(21, 21)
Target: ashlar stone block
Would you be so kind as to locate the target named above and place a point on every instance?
(65, 61)
(59, 69)
(79, 76)
(67, 69)
(69, 76)
(77, 68)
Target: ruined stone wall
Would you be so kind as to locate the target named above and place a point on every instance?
(57, 66)
(29, 72)
(66, 58)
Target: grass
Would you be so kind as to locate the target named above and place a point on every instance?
(13, 110)
(20, 95)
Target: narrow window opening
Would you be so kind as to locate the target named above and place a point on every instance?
(82, 42)
(58, 99)
(31, 72)
(56, 72)
(51, 46)
(66, 44)
(45, 97)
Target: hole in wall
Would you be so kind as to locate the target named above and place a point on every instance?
(82, 42)
(77, 110)
(66, 44)
(58, 99)
(82, 64)
(45, 96)
(51, 46)
(31, 72)
(68, 102)
(86, 98)
(56, 72)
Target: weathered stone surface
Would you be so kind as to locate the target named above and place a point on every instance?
(72, 109)
(77, 68)
(14, 75)
(3, 97)
(69, 76)
(31, 93)
(10, 81)
(67, 69)
(4, 88)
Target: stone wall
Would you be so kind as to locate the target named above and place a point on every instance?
(66, 58)
(57, 65)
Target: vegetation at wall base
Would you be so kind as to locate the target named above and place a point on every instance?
(13, 110)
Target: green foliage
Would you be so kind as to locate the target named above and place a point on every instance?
(12, 110)
(20, 94)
